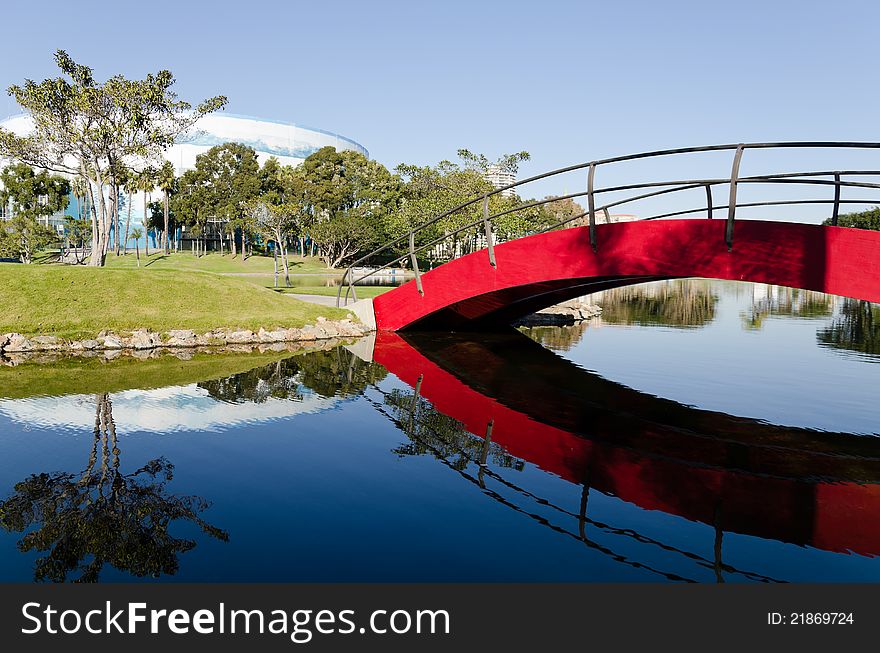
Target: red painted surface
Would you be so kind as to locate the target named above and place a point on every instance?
(838, 516)
(543, 269)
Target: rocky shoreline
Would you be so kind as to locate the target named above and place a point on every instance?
(144, 340)
(564, 314)
(11, 359)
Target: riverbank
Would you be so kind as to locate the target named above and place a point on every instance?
(46, 308)
(53, 373)
(145, 340)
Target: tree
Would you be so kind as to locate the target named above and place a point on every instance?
(78, 230)
(504, 163)
(229, 176)
(30, 196)
(166, 181)
(347, 197)
(146, 182)
(869, 219)
(191, 202)
(136, 235)
(131, 185)
(431, 191)
(88, 128)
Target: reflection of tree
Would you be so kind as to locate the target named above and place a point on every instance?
(557, 338)
(103, 516)
(432, 432)
(787, 302)
(685, 303)
(856, 328)
(332, 373)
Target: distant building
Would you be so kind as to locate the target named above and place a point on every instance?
(500, 178)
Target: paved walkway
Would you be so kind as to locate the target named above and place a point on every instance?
(323, 300)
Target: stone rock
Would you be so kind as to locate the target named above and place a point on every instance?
(321, 318)
(308, 332)
(330, 329)
(292, 335)
(183, 335)
(264, 336)
(46, 343)
(240, 337)
(144, 340)
(90, 344)
(4, 340)
(18, 342)
(110, 342)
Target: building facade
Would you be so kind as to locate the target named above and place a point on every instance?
(500, 178)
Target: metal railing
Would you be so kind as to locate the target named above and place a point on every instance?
(837, 178)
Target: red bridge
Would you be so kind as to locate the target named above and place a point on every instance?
(538, 271)
(503, 282)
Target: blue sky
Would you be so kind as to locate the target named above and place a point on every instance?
(567, 81)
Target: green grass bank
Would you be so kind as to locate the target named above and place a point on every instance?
(78, 302)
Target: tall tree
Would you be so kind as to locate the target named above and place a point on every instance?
(348, 196)
(31, 196)
(166, 181)
(230, 174)
(89, 128)
(146, 182)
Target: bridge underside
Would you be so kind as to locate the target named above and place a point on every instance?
(539, 271)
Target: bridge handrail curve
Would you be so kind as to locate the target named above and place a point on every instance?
(667, 187)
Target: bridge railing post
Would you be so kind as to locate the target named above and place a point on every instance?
(591, 199)
(415, 262)
(731, 204)
(487, 227)
(709, 200)
(836, 209)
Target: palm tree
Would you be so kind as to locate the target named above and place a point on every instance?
(166, 181)
(136, 235)
(131, 187)
(146, 182)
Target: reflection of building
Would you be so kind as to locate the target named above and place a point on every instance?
(287, 142)
(500, 178)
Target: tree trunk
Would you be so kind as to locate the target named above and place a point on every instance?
(167, 251)
(146, 228)
(102, 232)
(127, 225)
(286, 267)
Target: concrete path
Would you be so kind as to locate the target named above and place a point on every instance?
(323, 300)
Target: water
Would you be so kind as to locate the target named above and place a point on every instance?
(700, 431)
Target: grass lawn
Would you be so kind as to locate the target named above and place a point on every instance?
(95, 376)
(214, 262)
(78, 302)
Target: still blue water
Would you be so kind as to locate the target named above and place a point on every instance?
(697, 431)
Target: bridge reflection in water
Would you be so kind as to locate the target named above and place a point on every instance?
(505, 396)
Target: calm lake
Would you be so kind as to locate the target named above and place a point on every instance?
(697, 431)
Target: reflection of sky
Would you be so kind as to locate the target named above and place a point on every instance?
(184, 408)
(777, 372)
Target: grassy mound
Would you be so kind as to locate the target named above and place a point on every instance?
(79, 302)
